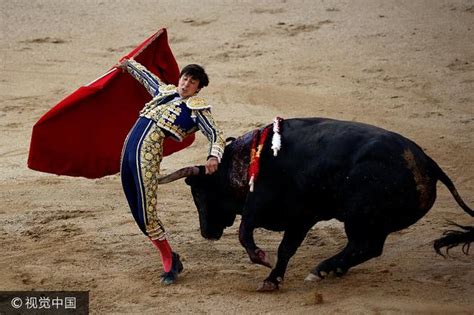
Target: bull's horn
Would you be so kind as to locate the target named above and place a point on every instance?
(184, 172)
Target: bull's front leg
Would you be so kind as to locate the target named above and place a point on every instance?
(256, 254)
(292, 239)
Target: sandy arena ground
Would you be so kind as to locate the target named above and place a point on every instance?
(407, 66)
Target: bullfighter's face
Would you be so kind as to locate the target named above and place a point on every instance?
(187, 86)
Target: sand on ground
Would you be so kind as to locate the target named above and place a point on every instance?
(407, 66)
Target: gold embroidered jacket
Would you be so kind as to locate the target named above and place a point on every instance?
(180, 117)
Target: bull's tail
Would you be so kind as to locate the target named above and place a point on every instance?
(449, 184)
(453, 238)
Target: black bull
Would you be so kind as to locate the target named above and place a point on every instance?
(374, 181)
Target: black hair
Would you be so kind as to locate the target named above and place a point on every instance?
(197, 72)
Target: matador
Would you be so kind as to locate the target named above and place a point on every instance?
(174, 111)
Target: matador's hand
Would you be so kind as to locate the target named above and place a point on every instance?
(211, 165)
(121, 65)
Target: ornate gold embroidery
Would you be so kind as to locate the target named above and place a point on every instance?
(196, 102)
(165, 116)
(167, 89)
(150, 159)
(149, 80)
(212, 132)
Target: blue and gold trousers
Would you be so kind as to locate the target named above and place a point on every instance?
(139, 170)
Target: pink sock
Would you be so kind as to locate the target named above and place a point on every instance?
(166, 253)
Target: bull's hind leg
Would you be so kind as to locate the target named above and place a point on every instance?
(377, 193)
(364, 243)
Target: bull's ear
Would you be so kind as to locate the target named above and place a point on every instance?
(189, 180)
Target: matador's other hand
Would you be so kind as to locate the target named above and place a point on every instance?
(121, 65)
(211, 165)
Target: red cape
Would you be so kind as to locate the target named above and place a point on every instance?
(83, 134)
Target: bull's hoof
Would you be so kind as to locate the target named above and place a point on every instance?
(340, 272)
(313, 277)
(267, 286)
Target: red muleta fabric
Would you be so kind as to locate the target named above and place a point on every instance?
(83, 134)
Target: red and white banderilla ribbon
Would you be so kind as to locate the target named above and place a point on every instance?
(276, 139)
(256, 151)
